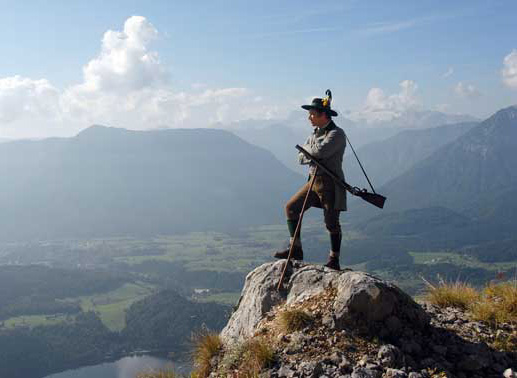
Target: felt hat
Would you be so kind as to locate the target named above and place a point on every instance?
(322, 104)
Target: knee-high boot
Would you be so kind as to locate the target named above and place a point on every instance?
(335, 248)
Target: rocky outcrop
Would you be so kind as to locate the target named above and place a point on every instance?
(361, 301)
(361, 326)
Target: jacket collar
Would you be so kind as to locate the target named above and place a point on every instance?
(327, 127)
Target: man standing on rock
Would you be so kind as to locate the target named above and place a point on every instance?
(327, 144)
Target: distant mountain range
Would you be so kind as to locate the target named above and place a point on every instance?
(389, 158)
(280, 136)
(422, 119)
(464, 193)
(112, 182)
(477, 167)
(115, 182)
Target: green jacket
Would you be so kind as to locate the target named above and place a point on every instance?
(328, 146)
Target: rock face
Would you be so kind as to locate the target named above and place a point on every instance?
(360, 326)
(258, 296)
(362, 301)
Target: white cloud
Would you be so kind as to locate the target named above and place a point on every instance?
(126, 85)
(125, 63)
(466, 90)
(26, 98)
(509, 71)
(381, 107)
(448, 73)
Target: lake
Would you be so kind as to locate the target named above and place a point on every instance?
(126, 367)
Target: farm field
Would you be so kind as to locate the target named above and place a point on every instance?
(211, 266)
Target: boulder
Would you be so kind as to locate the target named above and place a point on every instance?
(362, 301)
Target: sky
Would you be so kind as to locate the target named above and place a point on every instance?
(152, 64)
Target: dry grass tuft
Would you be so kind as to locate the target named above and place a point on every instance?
(497, 304)
(247, 359)
(294, 320)
(483, 310)
(206, 346)
(454, 294)
(257, 355)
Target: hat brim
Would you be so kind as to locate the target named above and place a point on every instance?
(328, 111)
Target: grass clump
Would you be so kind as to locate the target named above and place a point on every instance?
(206, 346)
(451, 294)
(258, 354)
(497, 304)
(294, 320)
(247, 359)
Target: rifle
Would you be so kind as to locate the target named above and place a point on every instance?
(373, 198)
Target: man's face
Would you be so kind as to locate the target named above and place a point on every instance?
(317, 119)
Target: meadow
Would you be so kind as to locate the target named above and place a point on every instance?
(211, 266)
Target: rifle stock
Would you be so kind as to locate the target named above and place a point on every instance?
(373, 198)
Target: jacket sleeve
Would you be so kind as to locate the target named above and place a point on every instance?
(333, 141)
(302, 159)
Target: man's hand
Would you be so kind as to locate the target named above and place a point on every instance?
(302, 159)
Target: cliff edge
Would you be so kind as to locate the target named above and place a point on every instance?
(325, 323)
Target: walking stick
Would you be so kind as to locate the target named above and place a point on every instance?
(297, 231)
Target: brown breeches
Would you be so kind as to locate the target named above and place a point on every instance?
(322, 195)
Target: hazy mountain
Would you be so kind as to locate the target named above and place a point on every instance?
(389, 158)
(414, 221)
(473, 175)
(478, 166)
(108, 181)
(422, 119)
(280, 136)
(433, 228)
(279, 139)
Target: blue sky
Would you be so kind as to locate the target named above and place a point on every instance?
(262, 57)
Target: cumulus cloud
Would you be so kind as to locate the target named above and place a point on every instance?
(466, 90)
(26, 98)
(509, 71)
(381, 107)
(126, 85)
(125, 63)
(125, 78)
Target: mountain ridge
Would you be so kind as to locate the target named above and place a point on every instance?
(487, 151)
(112, 181)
